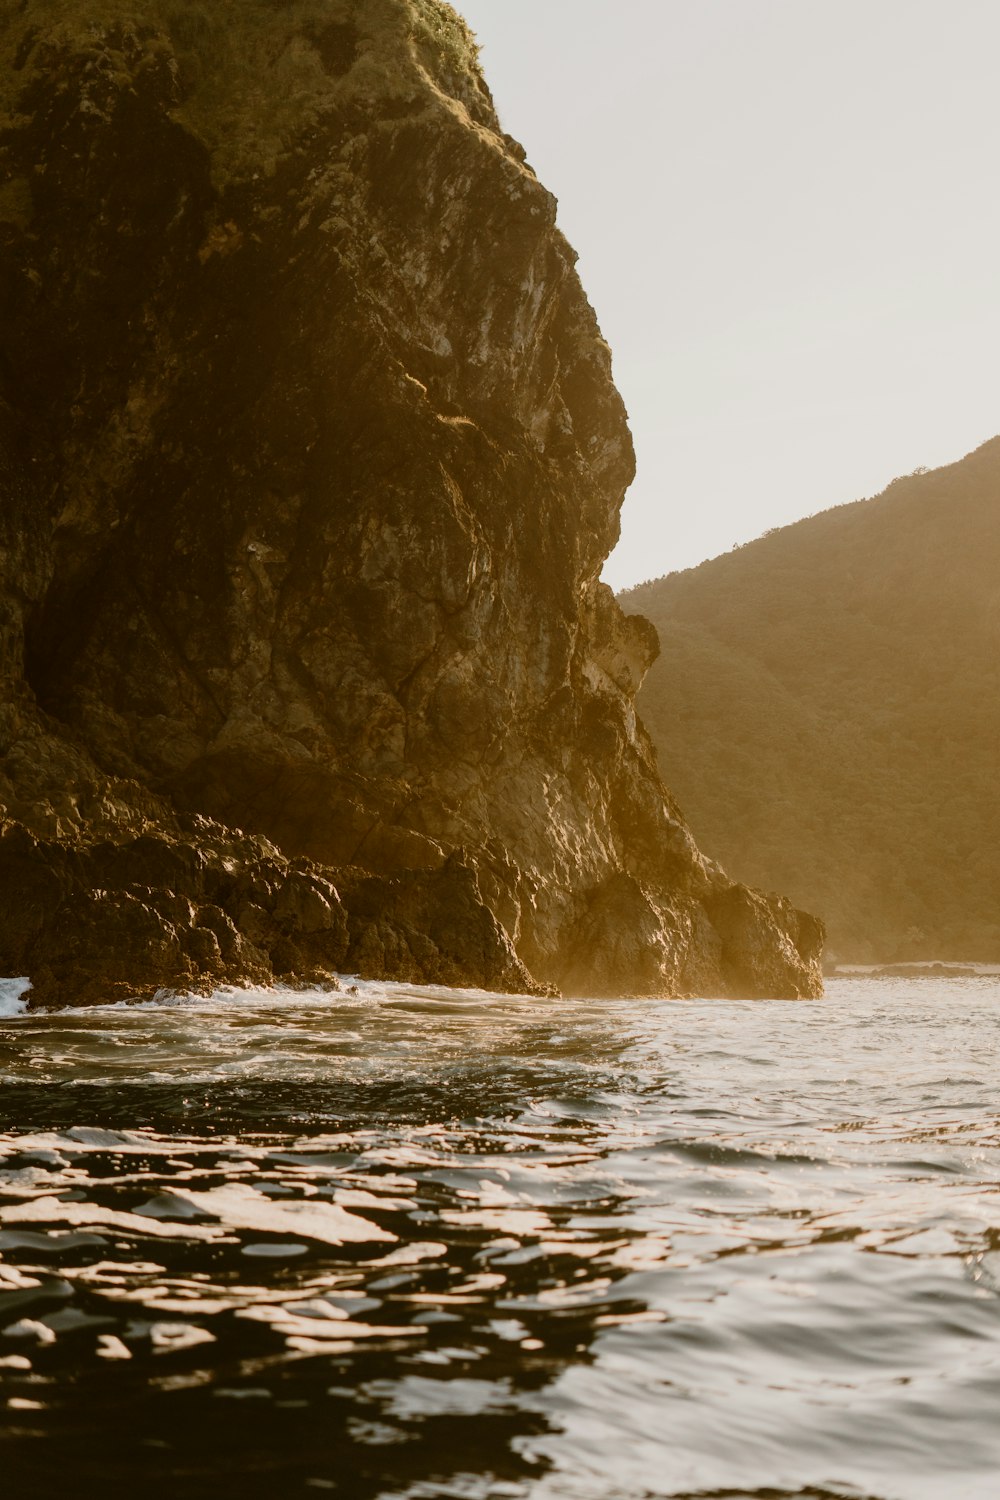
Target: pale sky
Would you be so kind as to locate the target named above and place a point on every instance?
(788, 220)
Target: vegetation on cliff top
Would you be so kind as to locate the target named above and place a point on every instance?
(247, 77)
(827, 710)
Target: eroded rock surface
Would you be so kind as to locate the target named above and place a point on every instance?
(310, 457)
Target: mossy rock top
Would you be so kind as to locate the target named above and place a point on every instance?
(248, 78)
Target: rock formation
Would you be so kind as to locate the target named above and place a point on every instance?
(310, 457)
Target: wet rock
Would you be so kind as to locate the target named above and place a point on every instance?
(765, 941)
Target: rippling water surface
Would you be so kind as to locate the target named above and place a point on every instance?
(423, 1244)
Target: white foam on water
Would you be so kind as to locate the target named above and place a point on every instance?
(351, 989)
(12, 1002)
(226, 997)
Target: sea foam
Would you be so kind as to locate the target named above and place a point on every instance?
(11, 1001)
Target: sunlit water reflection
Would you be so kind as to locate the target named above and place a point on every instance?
(425, 1244)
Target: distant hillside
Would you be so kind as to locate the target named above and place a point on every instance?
(827, 710)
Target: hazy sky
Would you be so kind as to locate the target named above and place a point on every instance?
(788, 219)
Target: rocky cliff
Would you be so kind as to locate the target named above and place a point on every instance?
(310, 457)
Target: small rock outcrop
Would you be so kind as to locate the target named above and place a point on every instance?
(310, 457)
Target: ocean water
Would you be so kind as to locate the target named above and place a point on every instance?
(423, 1243)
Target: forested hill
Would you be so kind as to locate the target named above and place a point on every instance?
(827, 708)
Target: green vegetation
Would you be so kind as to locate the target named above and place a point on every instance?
(250, 75)
(827, 711)
(448, 37)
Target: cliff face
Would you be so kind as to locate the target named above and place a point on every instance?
(827, 706)
(310, 458)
